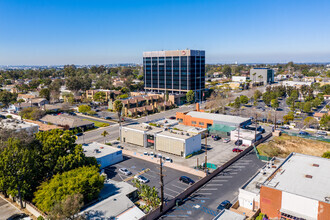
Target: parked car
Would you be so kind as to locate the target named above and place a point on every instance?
(224, 205)
(172, 117)
(120, 147)
(151, 154)
(226, 140)
(107, 118)
(304, 133)
(186, 180)
(79, 134)
(141, 179)
(159, 156)
(72, 113)
(125, 171)
(168, 159)
(237, 150)
(21, 216)
(286, 127)
(324, 133)
(145, 153)
(216, 137)
(238, 142)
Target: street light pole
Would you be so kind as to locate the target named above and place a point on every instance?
(205, 164)
(161, 184)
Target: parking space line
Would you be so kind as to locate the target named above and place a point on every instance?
(148, 175)
(214, 184)
(172, 190)
(218, 177)
(169, 195)
(178, 187)
(209, 188)
(203, 193)
(234, 173)
(182, 183)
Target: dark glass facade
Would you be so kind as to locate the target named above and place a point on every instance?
(177, 74)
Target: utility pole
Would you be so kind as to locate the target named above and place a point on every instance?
(255, 131)
(161, 184)
(205, 164)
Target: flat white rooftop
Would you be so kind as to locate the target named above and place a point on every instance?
(16, 124)
(253, 185)
(303, 175)
(98, 150)
(223, 119)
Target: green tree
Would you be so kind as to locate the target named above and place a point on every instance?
(19, 168)
(237, 103)
(257, 94)
(84, 108)
(67, 208)
(60, 152)
(100, 97)
(307, 107)
(326, 155)
(45, 93)
(244, 99)
(325, 121)
(190, 96)
(226, 71)
(266, 97)
(7, 97)
(275, 104)
(289, 117)
(104, 134)
(310, 121)
(148, 195)
(33, 113)
(84, 180)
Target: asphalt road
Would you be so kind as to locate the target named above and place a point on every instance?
(113, 129)
(172, 185)
(7, 210)
(202, 204)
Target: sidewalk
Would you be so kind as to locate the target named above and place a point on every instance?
(166, 164)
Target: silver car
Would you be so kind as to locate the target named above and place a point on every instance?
(125, 171)
(141, 178)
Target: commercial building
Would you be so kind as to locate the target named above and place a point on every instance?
(239, 78)
(18, 125)
(265, 75)
(164, 139)
(247, 136)
(105, 155)
(175, 71)
(116, 201)
(109, 94)
(298, 189)
(67, 121)
(215, 123)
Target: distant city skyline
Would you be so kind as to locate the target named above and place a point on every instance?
(86, 32)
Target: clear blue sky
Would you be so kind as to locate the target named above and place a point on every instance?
(105, 31)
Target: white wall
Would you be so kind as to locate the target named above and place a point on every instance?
(110, 159)
(246, 199)
(193, 144)
(299, 204)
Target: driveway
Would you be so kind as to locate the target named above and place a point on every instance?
(7, 209)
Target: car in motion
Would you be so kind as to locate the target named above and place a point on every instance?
(125, 171)
(237, 150)
(141, 179)
(224, 205)
(186, 180)
(304, 133)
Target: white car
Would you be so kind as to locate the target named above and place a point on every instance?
(141, 178)
(226, 140)
(125, 171)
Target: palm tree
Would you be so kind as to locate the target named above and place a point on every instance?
(118, 107)
(104, 134)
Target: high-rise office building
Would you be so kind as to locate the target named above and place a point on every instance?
(175, 71)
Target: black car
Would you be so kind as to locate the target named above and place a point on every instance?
(187, 180)
(79, 134)
(18, 216)
(172, 117)
(107, 118)
(238, 142)
(224, 205)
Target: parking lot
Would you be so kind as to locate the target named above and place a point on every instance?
(172, 185)
(218, 153)
(203, 203)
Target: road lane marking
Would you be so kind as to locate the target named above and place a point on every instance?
(209, 188)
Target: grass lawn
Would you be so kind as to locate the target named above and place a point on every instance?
(97, 123)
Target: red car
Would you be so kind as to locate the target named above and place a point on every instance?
(237, 150)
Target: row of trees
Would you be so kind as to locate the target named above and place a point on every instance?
(31, 165)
